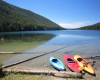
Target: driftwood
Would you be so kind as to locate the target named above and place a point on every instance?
(93, 56)
(34, 58)
(10, 52)
(23, 61)
(45, 53)
(63, 74)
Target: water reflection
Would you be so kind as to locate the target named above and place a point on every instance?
(21, 42)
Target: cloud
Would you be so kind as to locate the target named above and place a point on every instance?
(74, 25)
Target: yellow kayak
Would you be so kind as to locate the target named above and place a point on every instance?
(84, 64)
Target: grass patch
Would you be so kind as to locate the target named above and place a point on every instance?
(20, 76)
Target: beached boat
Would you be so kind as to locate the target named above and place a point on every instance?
(71, 63)
(84, 64)
(57, 64)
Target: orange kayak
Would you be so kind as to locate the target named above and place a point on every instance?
(84, 64)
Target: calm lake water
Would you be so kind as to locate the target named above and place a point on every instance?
(57, 43)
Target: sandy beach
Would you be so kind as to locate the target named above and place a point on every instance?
(42, 63)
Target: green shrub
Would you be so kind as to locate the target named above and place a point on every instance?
(1, 70)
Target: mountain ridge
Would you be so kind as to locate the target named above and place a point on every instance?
(95, 26)
(14, 18)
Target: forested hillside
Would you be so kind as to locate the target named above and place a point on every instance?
(91, 27)
(13, 18)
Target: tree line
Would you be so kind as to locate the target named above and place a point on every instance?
(91, 27)
(13, 18)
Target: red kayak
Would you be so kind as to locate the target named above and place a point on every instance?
(71, 63)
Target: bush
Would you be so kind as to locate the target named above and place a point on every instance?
(1, 70)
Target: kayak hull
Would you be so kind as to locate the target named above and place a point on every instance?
(57, 64)
(86, 67)
(71, 63)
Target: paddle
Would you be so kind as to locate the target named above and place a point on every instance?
(71, 61)
(90, 61)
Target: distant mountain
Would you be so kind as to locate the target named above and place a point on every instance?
(91, 27)
(13, 18)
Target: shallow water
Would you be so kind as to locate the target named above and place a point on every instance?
(19, 43)
(73, 42)
(14, 42)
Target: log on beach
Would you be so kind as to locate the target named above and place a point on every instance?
(92, 56)
(24, 60)
(10, 52)
(63, 74)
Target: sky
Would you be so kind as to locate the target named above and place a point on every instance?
(66, 13)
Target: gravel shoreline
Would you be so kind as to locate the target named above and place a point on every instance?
(86, 76)
(42, 63)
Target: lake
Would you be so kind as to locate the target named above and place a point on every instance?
(57, 43)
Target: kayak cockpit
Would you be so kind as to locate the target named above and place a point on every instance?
(70, 60)
(54, 60)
